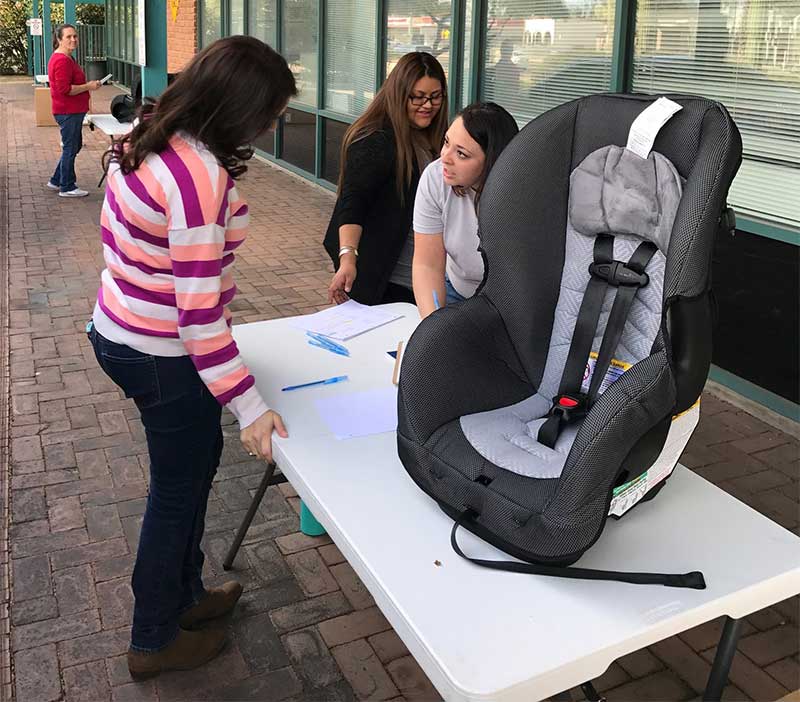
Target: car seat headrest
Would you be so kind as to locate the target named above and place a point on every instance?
(614, 191)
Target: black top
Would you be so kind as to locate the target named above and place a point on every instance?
(369, 198)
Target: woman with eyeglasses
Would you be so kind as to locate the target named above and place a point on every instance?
(447, 264)
(370, 238)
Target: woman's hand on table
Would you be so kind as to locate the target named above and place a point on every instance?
(342, 282)
(257, 437)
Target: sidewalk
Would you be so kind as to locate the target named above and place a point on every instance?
(306, 627)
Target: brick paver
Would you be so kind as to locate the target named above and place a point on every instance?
(306, 628)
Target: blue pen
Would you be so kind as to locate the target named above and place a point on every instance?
(327, 381)
(319, 344)
(329, 343)
(435, 300)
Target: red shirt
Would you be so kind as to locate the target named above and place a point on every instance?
(63, 72)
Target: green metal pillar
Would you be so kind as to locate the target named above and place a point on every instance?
(622, 51)
(69, 11)
(47, 34)
(154, 64)
(36, 41)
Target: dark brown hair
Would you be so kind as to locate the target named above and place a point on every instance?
(228, 95)
(389, 108)
(492, 127)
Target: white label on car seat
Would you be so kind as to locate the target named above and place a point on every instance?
(628, 494)
(646, 126)
(615, 370)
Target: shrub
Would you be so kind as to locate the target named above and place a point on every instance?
(13, 36)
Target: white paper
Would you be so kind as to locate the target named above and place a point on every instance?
(360, 413)
(646, 126)
(345, 321)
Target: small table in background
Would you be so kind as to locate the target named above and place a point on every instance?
(112, 127)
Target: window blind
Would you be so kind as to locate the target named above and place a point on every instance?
(261, 21)
(349, 55)
(542, 53)
(746, 54)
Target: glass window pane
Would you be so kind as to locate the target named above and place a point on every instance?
(743, 54)
(466, 75)
(263, 23)
(210, 21)
(266, 142)
(237, 16)
(334, 135)
(300, 44)
(299, 139)
(349, 55)
(416, 25)
(542, 53)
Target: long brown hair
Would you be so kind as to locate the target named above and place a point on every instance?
(228, 95)
(389, 108)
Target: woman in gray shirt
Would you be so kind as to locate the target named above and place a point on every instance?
(447, 265)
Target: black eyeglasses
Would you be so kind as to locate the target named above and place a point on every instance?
(420, 100)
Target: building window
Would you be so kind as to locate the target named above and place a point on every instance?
(300, 47)
(542, 53)
(299, 139)
(349, 55)
(746, 54)
(418, 26)
(262, 21)
(236, 8)
(210, 21)
(334, 135)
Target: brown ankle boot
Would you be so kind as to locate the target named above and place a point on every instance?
(218, 601)
(190, 649)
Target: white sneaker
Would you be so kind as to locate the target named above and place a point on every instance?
(51, 186)
(77, 192)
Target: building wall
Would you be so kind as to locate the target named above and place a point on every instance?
(181, 33)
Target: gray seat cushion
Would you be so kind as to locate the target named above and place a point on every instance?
(612, 191)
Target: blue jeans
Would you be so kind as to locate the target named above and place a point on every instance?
(452, 294)
(72, 140)
(184, 438)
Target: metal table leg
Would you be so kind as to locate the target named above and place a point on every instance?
(268, 479)
(722, 661)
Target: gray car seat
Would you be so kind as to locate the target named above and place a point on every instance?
(566, 389)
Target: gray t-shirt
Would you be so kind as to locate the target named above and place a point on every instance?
(438, 210)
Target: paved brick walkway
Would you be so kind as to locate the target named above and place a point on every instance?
(306, 628)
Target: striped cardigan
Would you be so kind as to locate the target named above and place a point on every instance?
(169, 230)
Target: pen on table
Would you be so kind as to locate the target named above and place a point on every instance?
(321, 345)
(435, 300)
(326, 381)
(328, 343)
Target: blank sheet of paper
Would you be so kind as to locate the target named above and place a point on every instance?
(360, 413)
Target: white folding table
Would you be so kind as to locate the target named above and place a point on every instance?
(487, 635)
(111, 127)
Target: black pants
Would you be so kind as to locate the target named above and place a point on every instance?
(397, 293)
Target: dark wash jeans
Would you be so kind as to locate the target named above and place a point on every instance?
(71, 127)
(184, 438)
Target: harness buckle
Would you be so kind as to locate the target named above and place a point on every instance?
(618, 273)
(570, 406)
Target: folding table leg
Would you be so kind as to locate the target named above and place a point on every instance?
(722, 661)
(588, 692)
(266, 481)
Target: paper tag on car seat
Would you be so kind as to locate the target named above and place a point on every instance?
(615, 370)
(646, 126)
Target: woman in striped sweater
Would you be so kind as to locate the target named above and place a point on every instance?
(171, 220)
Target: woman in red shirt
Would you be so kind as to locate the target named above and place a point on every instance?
(69, 92)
